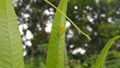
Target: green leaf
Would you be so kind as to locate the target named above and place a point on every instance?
(101, 58)
(79, 30)
(55, 55)
(11, 54)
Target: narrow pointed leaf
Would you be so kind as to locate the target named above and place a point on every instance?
(101, 58)
(11, 55)
(79, 30)
(55, 57)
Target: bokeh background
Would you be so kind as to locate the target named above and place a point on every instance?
(100, 19)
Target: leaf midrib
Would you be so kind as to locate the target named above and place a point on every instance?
(9, 37)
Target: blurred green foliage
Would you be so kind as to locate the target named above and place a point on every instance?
(98, 18)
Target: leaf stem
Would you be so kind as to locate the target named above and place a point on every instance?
(78, 29)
